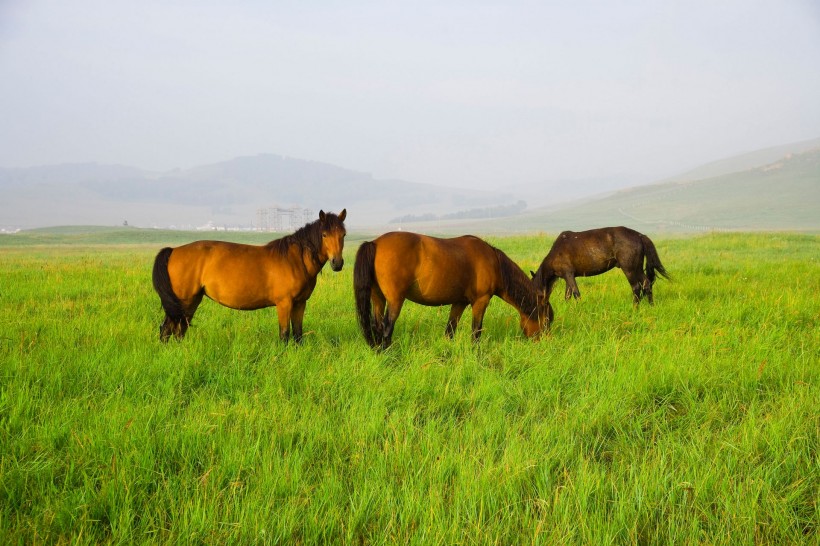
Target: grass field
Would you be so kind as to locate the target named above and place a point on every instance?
(696, 421)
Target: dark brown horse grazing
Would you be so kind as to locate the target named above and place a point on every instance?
(431, 271)
(281, 273)
(588, 253)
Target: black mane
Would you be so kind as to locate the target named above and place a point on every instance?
(541, 277)
(308, 236)
(517, 285)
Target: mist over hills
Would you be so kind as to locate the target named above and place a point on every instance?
(745, 162)
(775, 188)
(225, 193)
(761, 194)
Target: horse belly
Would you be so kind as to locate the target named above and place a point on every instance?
(592, 261)
(438, 290)
(241, 296)
(240, 288)
(435, 300)
(597, 269)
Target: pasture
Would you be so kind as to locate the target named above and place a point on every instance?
(693, 421)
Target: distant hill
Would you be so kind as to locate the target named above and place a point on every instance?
(772, 189)
(745, 162)
(229, 193)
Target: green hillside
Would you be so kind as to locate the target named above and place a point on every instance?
(772, 189)
(784, 195)
(747, 161)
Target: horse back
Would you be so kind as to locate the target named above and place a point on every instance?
(203, 257)
(591, 252)
(236, 275)
(434, 271)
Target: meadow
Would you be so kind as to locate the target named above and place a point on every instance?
(694, 421)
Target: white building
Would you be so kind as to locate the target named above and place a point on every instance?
(283, 219)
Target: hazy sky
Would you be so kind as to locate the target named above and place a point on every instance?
(464, 93)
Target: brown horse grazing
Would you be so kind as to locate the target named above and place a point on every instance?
(430, 271)
(281, 273)
(588, 253)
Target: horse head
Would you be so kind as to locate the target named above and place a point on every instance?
(542, 299)
(531, 327)
(333, 238)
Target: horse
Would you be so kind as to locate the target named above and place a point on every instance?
(281, 273)
(596, 251)
(399, 266)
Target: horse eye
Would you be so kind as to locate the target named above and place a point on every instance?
(324, 235)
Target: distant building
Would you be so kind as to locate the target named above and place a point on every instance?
(283, 219)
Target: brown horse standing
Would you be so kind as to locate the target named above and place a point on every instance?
(281, 273)
(588, 253)
(430, 271)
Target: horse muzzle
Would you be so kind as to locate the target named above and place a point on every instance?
(336, 264)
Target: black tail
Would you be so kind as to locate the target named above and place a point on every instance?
(162, 284)
(364, 275)
(653, 262)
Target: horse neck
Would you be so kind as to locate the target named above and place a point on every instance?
(522, 305)
(550, 283)
(517, 289)
(526, 306)
(312, 258)
(309, 240)
(314, 262)
(546, 277)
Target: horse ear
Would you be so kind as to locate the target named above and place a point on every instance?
(322, 215)
(532, 273)
(343, 215)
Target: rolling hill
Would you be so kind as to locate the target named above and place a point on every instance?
(746, 161)
(228, 192)
(783, 194)
(773, 189)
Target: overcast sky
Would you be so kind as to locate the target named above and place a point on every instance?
(465, 93)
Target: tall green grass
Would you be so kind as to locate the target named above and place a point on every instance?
(693, 421)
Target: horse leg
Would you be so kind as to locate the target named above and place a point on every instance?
(166, 329)
(379, 303)
(456, 310)
(638, 282)
(296, 316)
(572, 287)
(647, 290)
(479, 307)
(283, 311)
(178, 326)
(390, 318)
(550, 317)
(175, 327)
(190, 305)
(181, 326)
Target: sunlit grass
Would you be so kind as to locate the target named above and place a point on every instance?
(693, 421)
